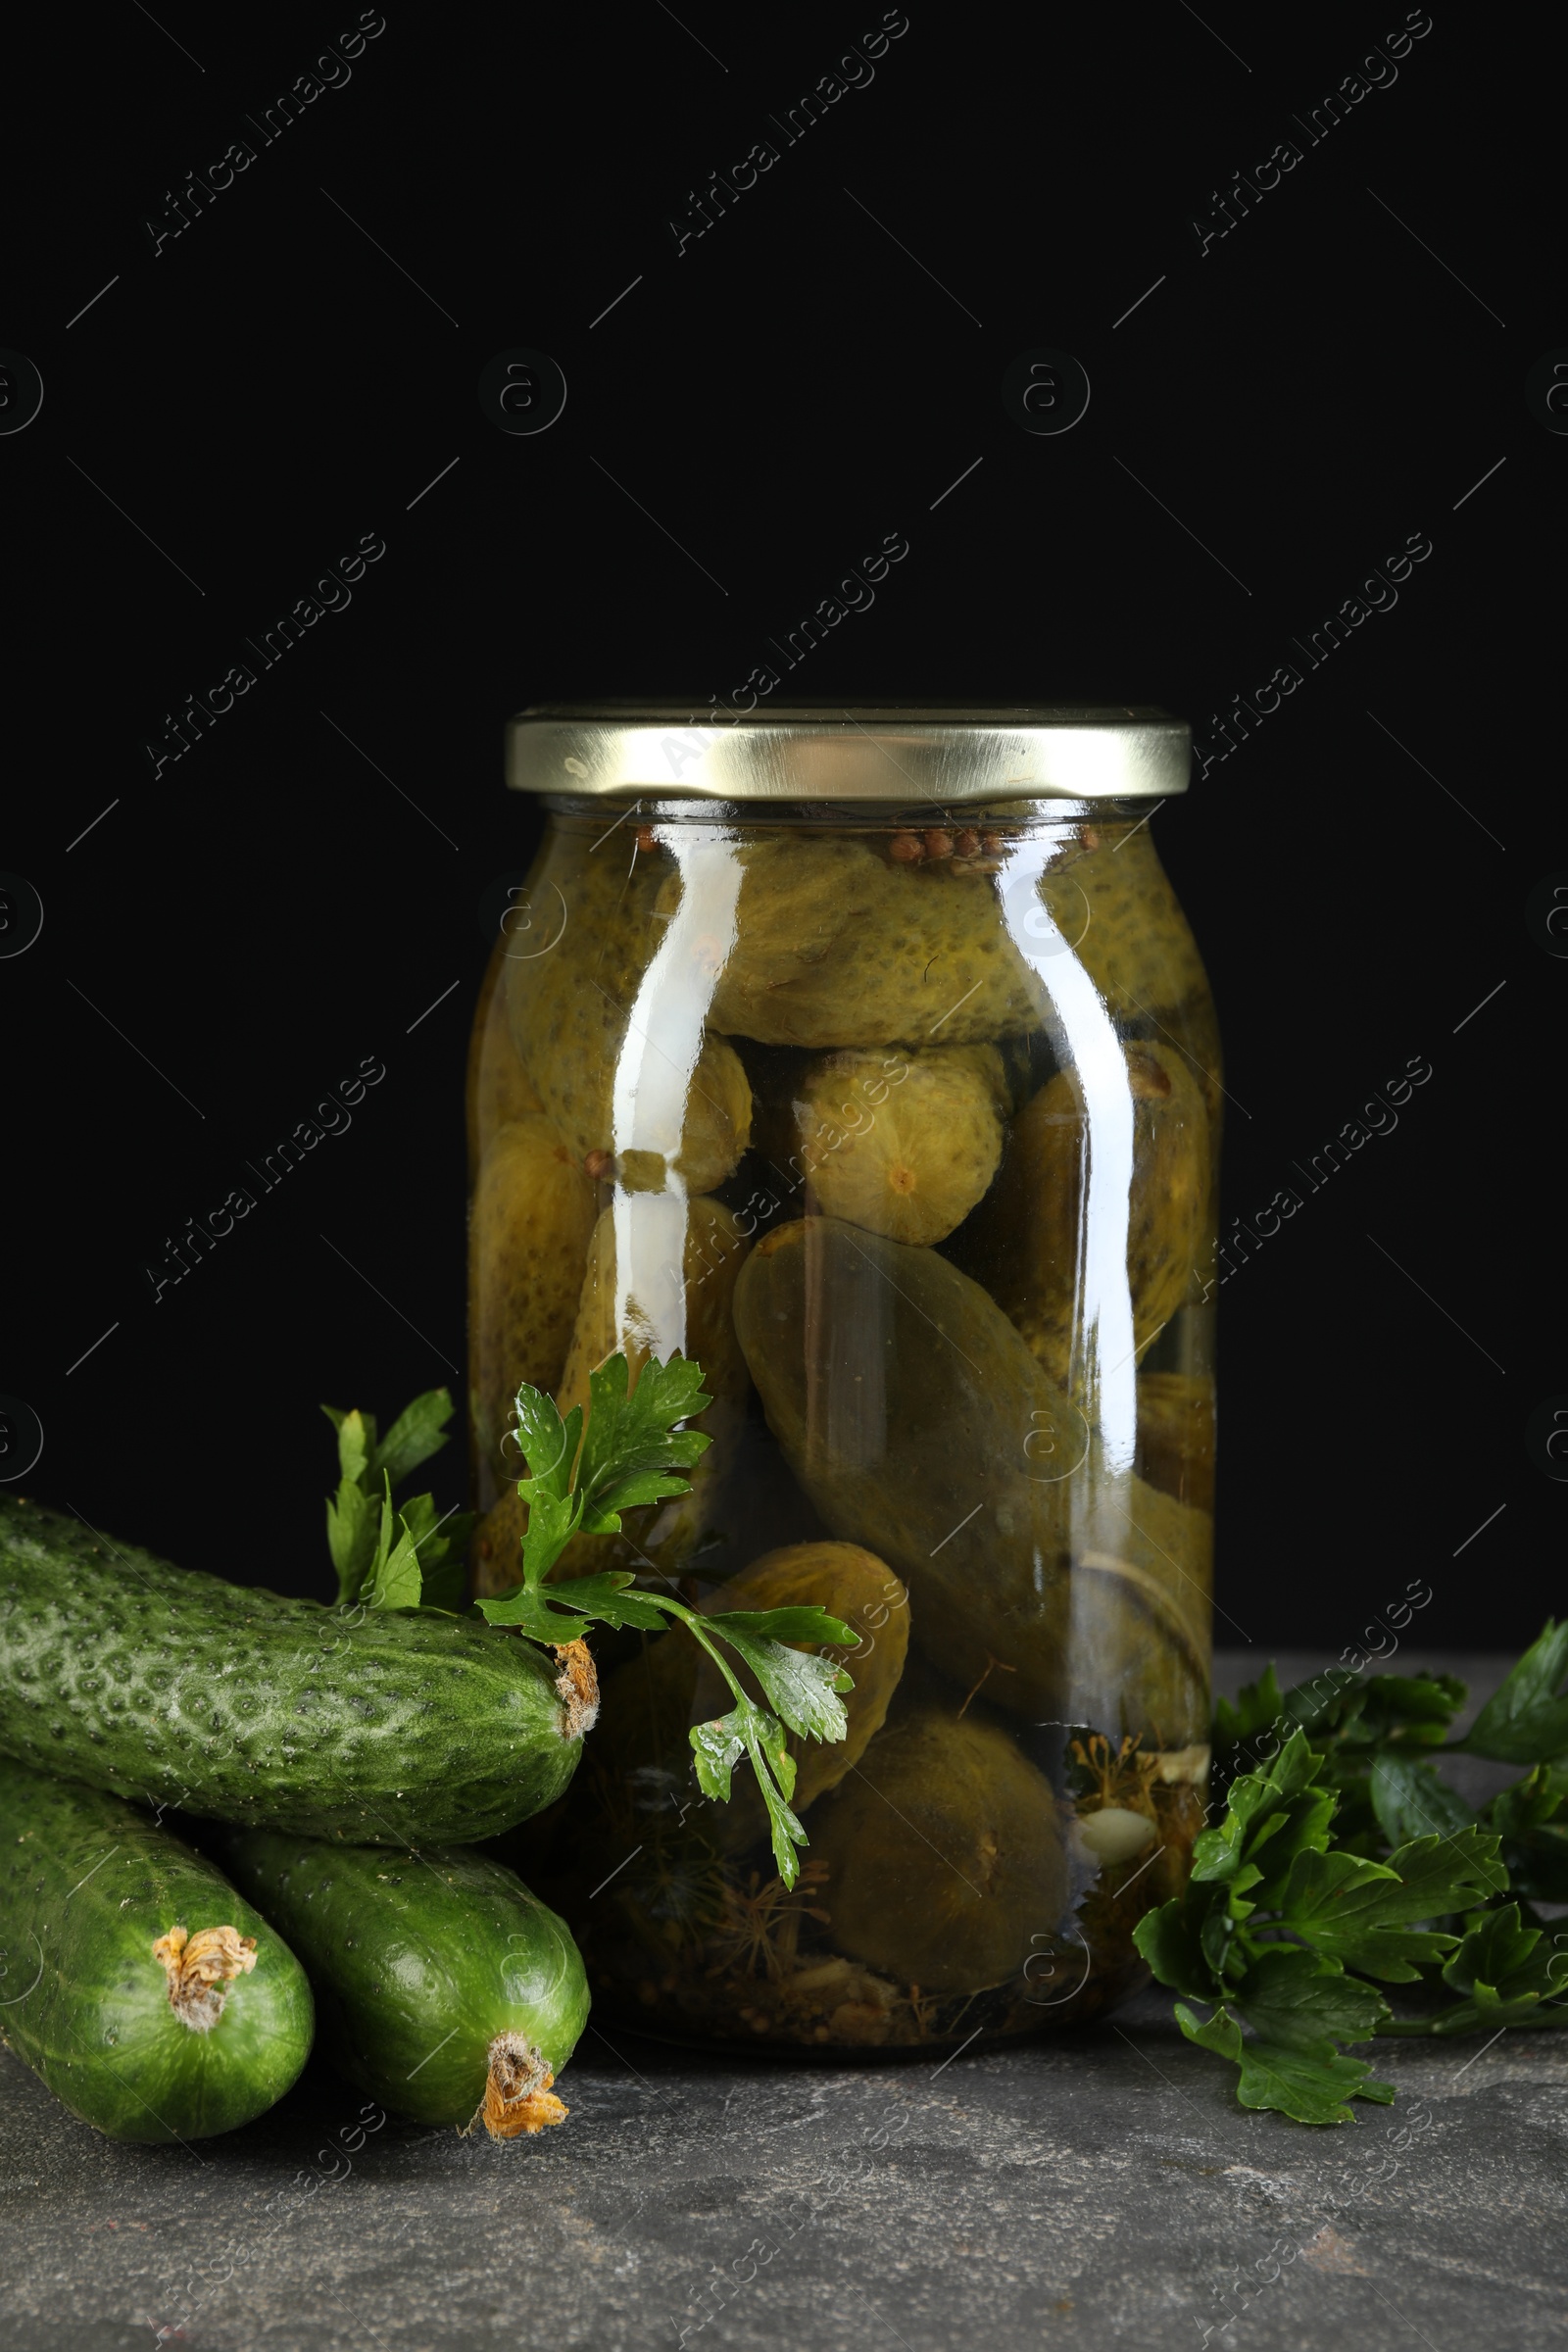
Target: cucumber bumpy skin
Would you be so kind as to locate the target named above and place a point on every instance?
(161, 2006)
(447, 1990)
(158, 1683)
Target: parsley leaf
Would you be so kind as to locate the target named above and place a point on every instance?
(1260, 1806)
(418, 1430)
(1184, 1942)
(393, 1581)
(1310, 2084)
(355, 1438)
(351, 1525)
(553, 1521)
(800, 1686)
(1344, 1862)
(1410, 1799)
(541, 1612)
(1525, 1721)
(1363, 1913)
(1257, 1706)
(1415, 1710)
(718, 1745)
(440, 1545)
(1532, 1820)
(410, 1558)
(581, 1477)
(1298, 1998)
(631, 1444)
(1508, 1971)
(351, 1513)
(717, 1748)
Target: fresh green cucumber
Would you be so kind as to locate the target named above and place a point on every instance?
(446, 1989)
(149, 1996)
(162, 1684)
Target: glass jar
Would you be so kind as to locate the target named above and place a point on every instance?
(868, 1060)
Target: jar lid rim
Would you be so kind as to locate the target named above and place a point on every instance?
(808, 751)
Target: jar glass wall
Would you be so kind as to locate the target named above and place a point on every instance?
(908, 1135)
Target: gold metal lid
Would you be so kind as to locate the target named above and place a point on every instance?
(629, 751)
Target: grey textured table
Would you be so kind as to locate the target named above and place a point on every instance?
(1098, 2189)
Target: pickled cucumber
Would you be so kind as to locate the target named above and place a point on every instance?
(902, 1143)
(626, 1073)
(922, 1427)
(1176, 1435)
(498, 1086)
(902, 1397)
(1193, 1028)
(838, 945)
(532, 1220)
(1134, 943)
(1031, 1235)
(1114, 900)
(946, 1856)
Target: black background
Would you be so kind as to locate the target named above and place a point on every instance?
(243, 926)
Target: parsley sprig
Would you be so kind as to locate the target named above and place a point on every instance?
(1347, 1863)
(394, 1559)
(581, 1478)
(582, 1475)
